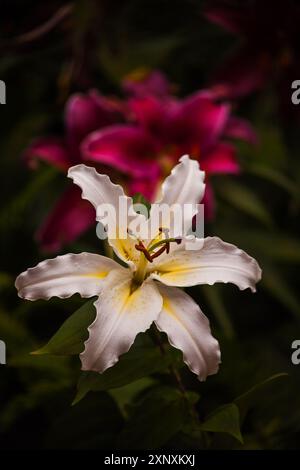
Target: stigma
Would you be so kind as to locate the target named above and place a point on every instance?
(158, 245)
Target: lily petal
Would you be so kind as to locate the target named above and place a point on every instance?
(188, 330)
(221, 159)
(209, 202)
(121, 315)
(239, 128)
(85, 113)
(127, 148)
(64, 276)
(49, 149)
(215, 261)
(198, 122)
(98, 189)
(189, 178)
(184, 186)
(70, 217)
(152, 114)
(233, 20)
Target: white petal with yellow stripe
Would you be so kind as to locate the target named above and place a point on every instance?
(64, 276)
(188, 330)
(99, 190)
(122, 313)
(215, 261)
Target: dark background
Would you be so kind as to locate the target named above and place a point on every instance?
(95, 44)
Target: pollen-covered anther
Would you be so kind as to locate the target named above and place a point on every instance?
(163, 245)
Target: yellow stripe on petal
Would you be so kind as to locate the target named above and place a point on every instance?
(188, 330)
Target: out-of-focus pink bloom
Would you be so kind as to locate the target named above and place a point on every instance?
(269, 46)
(144, 82)
(162, 131)
(140, 140)
(71, 215)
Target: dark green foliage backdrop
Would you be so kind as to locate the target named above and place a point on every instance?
(94, 44)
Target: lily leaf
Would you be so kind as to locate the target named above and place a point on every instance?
(155, 420)
(70, 337)
(276, 177)
(138, 198)
(140, 361)
(225, 419)
(249, 398)
(245, 200)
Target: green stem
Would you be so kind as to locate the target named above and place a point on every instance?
(109, 252)
(140, 273)
(161, 242)
(177, 377)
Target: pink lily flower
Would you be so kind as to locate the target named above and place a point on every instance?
(158, 129)
(162, 129)
(71, 215)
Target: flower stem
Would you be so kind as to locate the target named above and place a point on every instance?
(109, 252)
(140, 273)
(177, 377)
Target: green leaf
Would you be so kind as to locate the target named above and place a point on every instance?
(140, 361)
(70, 337)
(245, 200)
(225, 419)
(124, 396)
(276, 177)
(248, 399)
(158, 416)
(138, 198)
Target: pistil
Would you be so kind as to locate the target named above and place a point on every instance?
(147, 255)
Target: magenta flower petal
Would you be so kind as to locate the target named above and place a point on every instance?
(238, 128)
(153, 115)
(146, 187)
(70, 217)
(152, 83)
(221, 159)
(127, 148)
(199, 120)
(49, 149)
(231, 19)
(209, 202)
(86, 113)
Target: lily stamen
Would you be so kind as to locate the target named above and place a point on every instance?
(141, 247)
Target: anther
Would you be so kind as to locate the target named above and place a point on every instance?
(159, 252)
(143, 249)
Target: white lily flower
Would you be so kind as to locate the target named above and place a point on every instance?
(130, 299)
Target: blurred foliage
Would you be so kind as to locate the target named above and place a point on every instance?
(89, 45)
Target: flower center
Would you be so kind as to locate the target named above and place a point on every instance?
(155, 248)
